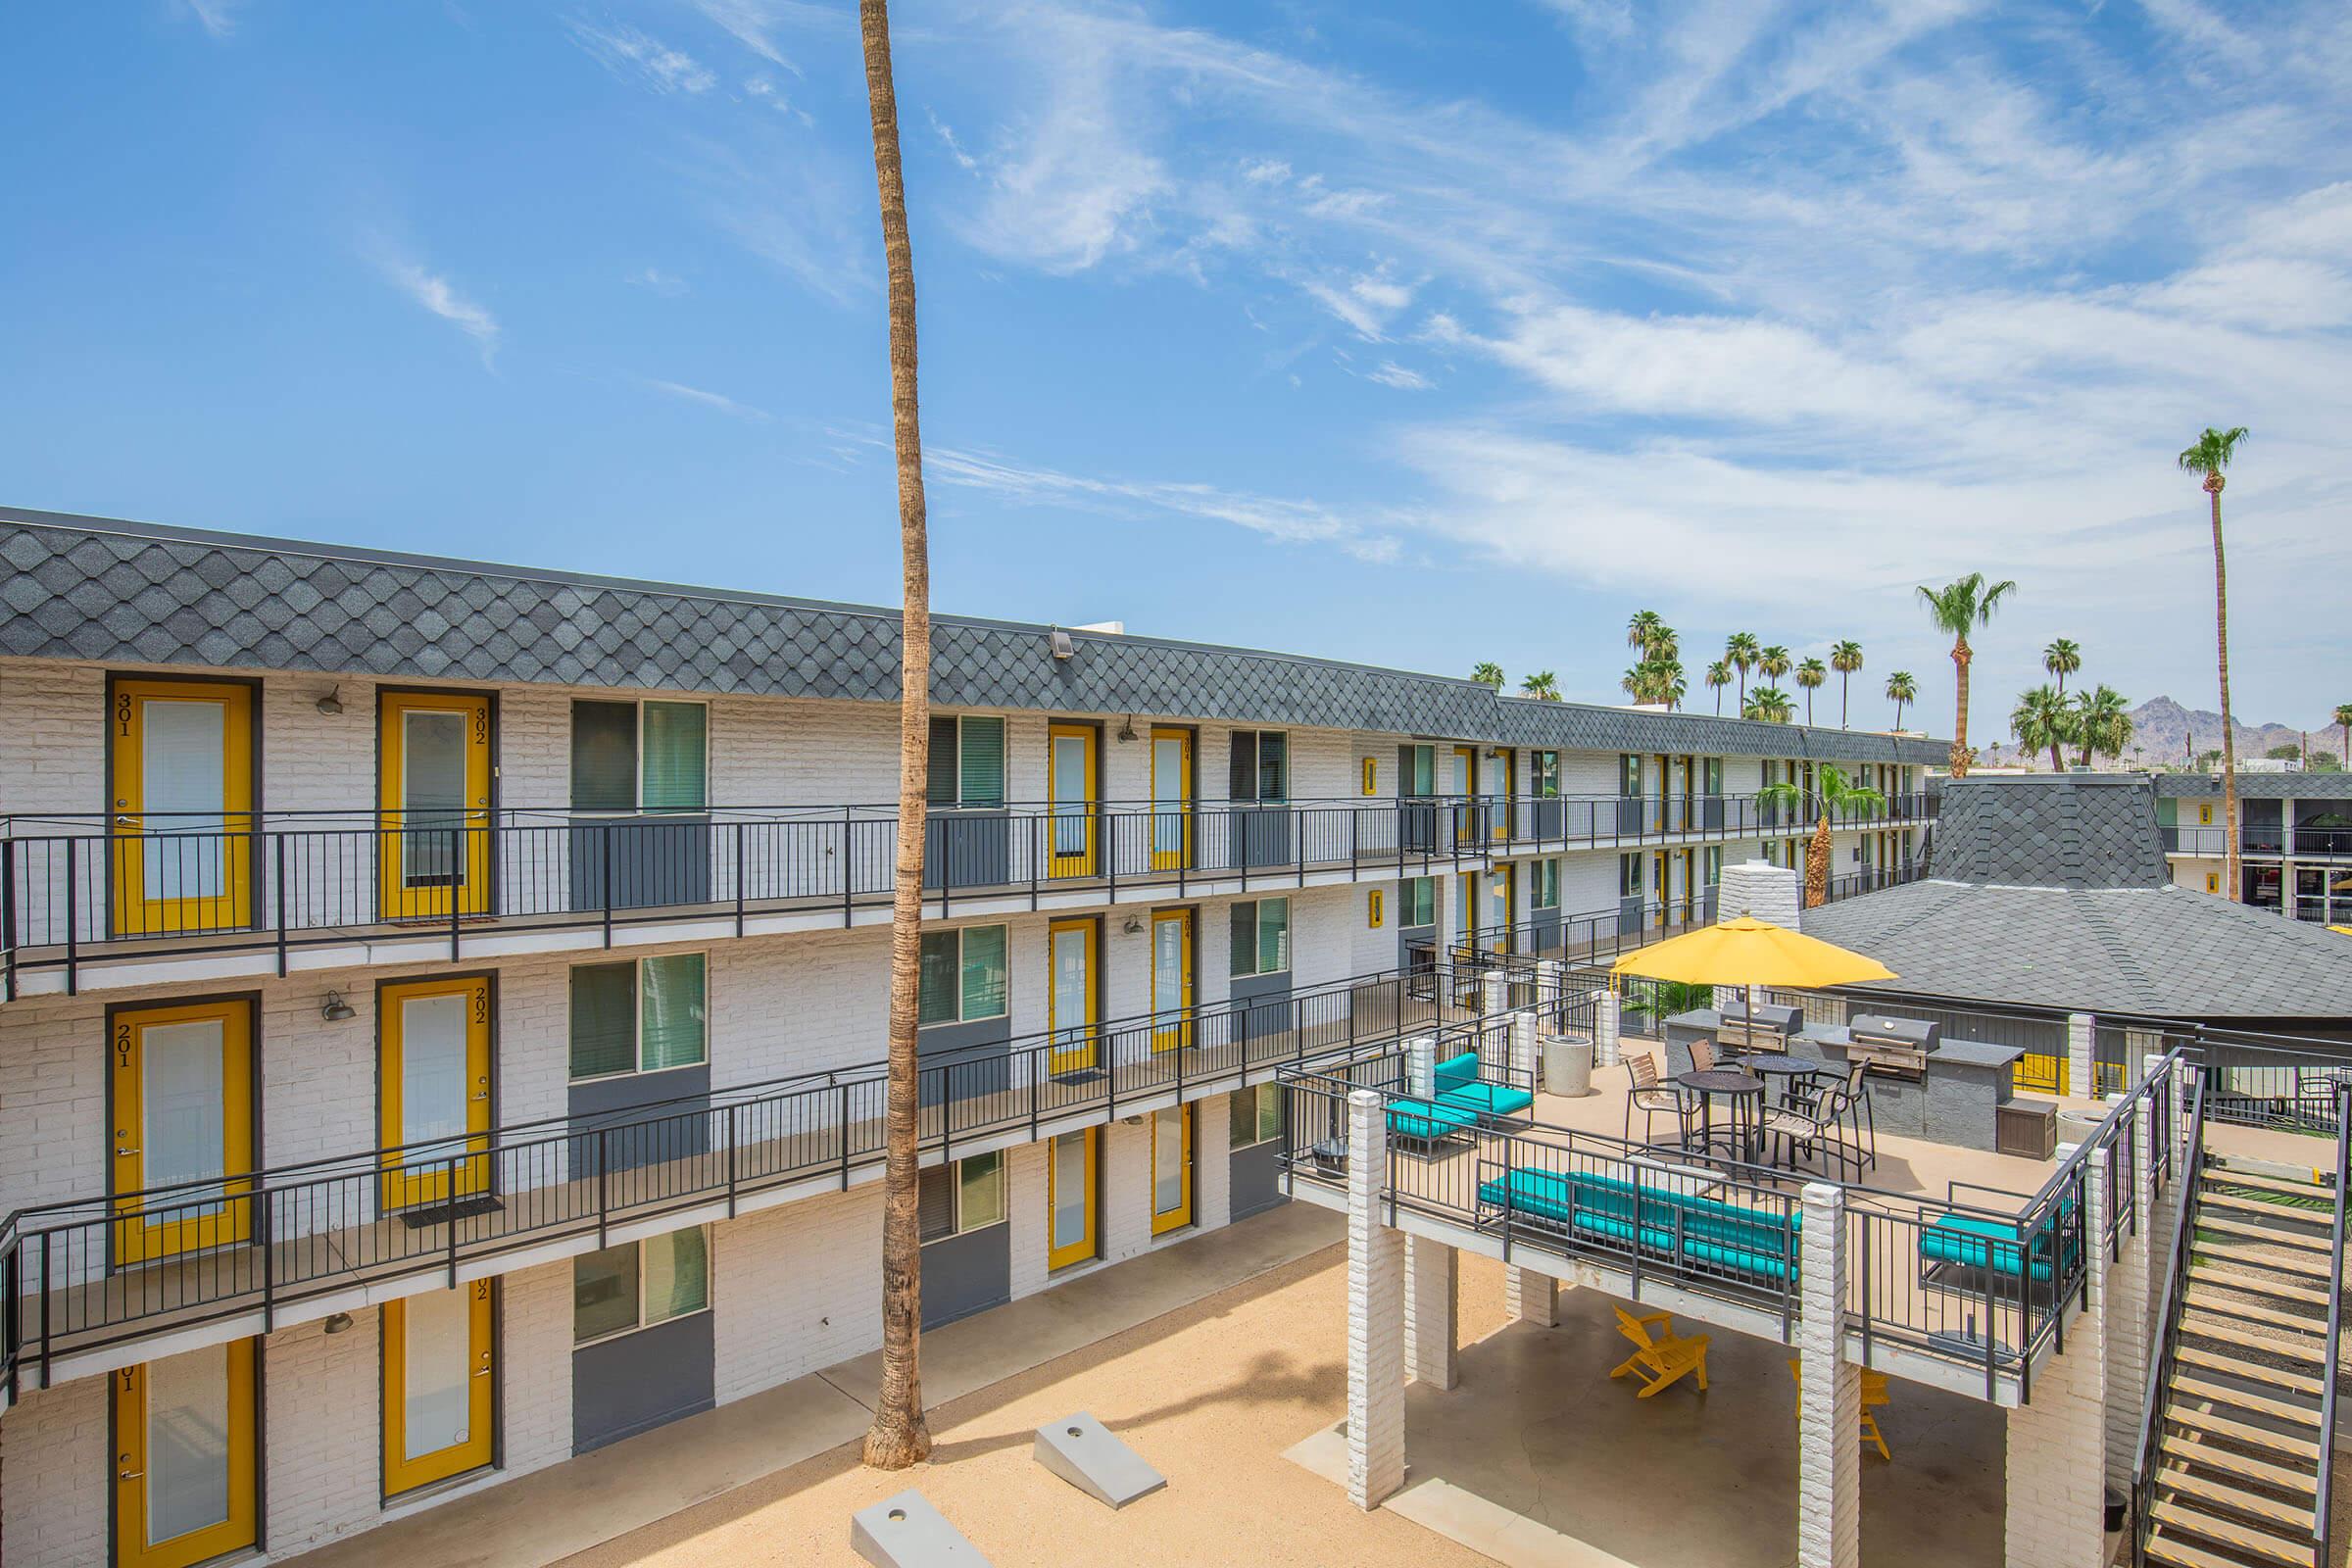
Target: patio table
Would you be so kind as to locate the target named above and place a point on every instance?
(1787, 1069)
(1744, 1091)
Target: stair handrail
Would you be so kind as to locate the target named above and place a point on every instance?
(2320, 1522)
(2167, 1319)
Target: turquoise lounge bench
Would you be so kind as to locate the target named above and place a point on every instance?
(1756, 1244)
(1994, 1244)
(1459, 1087)
(1426, 1121)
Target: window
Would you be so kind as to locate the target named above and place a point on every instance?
(1545, 775)
(1629, 875)
(1710, 775)
(1416, 770)
(640, 757)
(1713, 862)
(2205, 813)
(2213, 881)
(967, 762)
(1629, 774)
(639, 1016)
(639, 1283)
(1371, 776)
(1375, 908)
(1261, 937)
(1256, 1114)
(1417, 900)
(963, 1196)
(1261, 766)
(962, 975)
(1547, 885)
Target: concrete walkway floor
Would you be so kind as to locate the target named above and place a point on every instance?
(574, 1506)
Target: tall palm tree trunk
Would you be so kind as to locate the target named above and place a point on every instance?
(900, 1436)
(1844, 682)
(1961, 655)
(2221, 632)
(1816, 866)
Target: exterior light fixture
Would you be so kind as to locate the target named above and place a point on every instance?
(337, 1322)
(334, 1010)
(333, 702)
(1127, 729)
(1064, 648)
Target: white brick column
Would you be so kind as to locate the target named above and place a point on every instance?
(1421, 1066)
(1432, 1275)
(2058, 1444)
(1605, 1051)
(1768, 891)
(1829, 1430)
(1492, 994)
(1552, 985)
(1531, 1297)
(1375, 1315)
(2082, 1038)
(2130, 1289)
(1523, 1045)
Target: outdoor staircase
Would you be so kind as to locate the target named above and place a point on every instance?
(2239, 1449)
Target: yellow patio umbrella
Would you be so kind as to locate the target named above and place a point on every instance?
(2345, 929)
(1748, 953)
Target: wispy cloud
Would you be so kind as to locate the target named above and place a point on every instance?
(1389, 373)
(437, 295)
(216, 16)
(716, 400)
(757, 23)
(667, 285)
(636, 56)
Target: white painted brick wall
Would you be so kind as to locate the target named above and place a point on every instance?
(54, 1453)
(1212, 1163)
(535, 1347)
(1374, 1315)
(324, 1444)
(2057, 1445)
(1531, 1297)
(796, 1288)
(1029, 1217)
(1432, 1312)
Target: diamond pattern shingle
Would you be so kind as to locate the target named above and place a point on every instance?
(92, 588)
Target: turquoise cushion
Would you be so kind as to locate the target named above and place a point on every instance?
(1487, 1100)
(1988, 1244)
(1423, 1120)
(1458, 1072)
(1721, 1236)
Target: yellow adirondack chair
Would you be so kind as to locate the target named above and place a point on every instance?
(1873, 1394)
(1660, 1355)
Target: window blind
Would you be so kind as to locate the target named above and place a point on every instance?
(1273, 936)
(672, 1011)
(1241, 779)
(980, 1181)
(676, 757)
(677, 1274)
(939, 768)
(1245, 940)
(604, 1019)
(981, 768)
(983, 971)
(937, 990)
(603, 757)
(604, 1293)
(935, 1204)
(1273, 768)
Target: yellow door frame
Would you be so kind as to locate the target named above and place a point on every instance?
(1081, 861)
(404, 1187)
(1465, 816)
(1173, 1035)
(1661, 881)
(240, 1529)
(134, 914)
(403, 1474)
(1181, 855)
(1080, 1052)
(1182, 1214)
(404, 900)
(1465, 899)
(1502, 881)
(139, 1239)
(1505, 828)
(1083, 1248)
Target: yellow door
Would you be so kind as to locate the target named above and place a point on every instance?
(433, 791)
(1690, 888)
(1171, 798)
(182, 818)
(1072, 1018)
(183, 1457)
(1502, 913)
(1466, 914)
(439, 1379)
(1171, 1169)
(181, 1097)
(1071, 788)
(1661, 886)
(1465, 786)
(1070, 1198)
(1665, 793)
(434, 1072)
(1171, 979)
(1504, 826)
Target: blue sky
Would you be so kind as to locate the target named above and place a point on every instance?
(1407, 333)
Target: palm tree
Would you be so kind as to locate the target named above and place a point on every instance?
(1488, 675)
(1742, 651)
(2061, 658)
(1809, 679)
(1832, 797)
(2209, 457)
(2102, 722)
(1668, 683)
(1640, 629)
(1845, 657)
(1956, 609)
(2343, 720)
(1773, 662)
(2042, 721)
(1768, 703)
(1635, 683)
(1719, 675)
(1901, 689)
(1542, 685)
(900, 1436)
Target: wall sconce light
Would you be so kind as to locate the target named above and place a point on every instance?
(1064, 648)
(334, 1010)
(337, 1322)
(333, 702)
(1127, 729)
(1133, 925)
(1131, 1121)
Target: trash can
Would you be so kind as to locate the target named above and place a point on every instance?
(1567, 1067)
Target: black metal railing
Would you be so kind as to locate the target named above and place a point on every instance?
(84, 1273)
(73, 886)
(2323, 1534)
(2167, 1325)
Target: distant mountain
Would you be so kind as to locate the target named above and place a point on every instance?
(2158, 724)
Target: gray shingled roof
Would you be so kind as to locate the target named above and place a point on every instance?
(2051, 892)
(2258, 786)
(97, 589)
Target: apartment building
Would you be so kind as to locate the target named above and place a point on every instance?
(2295, 840)
(444, 1003)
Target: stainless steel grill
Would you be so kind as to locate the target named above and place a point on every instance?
(1898, 1047)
